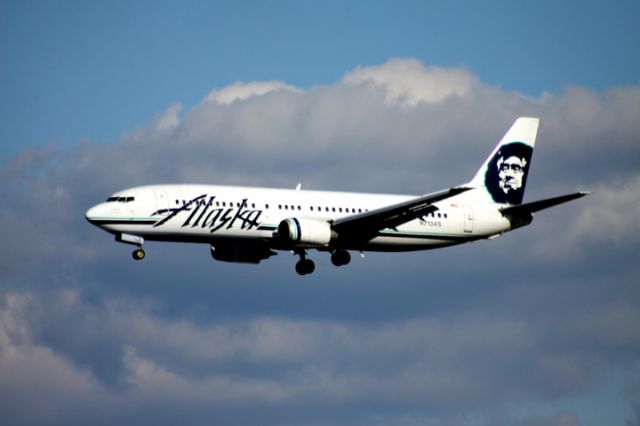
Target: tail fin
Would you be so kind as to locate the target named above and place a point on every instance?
(503, 176)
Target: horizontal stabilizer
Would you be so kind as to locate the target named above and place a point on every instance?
(535, 206)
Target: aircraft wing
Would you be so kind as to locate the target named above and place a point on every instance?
(528, 208)
(364, 226)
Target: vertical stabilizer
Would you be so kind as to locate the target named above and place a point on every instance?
(503, 176)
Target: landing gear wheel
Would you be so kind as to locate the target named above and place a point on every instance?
(340, 257)
(305, 266)
(138, 254)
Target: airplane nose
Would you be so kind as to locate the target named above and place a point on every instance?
(93, 213)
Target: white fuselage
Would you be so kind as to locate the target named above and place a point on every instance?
(246, 225)
(204, 213)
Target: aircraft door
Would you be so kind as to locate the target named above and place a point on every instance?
(162, 200)
(468, 218)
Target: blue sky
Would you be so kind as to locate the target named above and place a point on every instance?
(66, 66)
(537, 328)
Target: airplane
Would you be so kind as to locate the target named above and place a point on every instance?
(248, 224)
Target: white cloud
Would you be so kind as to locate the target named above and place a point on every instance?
(612, 216)
(408, 82)
(170, 119)
(240, 91)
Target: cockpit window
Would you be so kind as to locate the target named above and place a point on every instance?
(120, 199)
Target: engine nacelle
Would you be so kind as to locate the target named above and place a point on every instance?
(240, 253)
(304, 232)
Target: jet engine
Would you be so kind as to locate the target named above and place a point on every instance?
(240, 253)
(304, 232)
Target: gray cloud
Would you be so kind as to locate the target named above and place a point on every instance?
(468, 359)
(421, 338)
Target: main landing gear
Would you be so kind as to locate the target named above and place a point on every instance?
(340, 257)
(304, 266)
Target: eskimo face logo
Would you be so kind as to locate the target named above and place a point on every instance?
(506, 175)
(510, 173)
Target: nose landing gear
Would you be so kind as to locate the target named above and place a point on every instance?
(138, 254)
